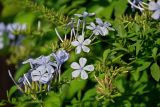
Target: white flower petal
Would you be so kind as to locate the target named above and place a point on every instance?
(82, 61)
(85, 14)
(41, 69)
(104, 30)
(75, 65)
(78, 15)
(89, 68)
(84, 75)
(109, 28)
(45, 78)
(156, 14)
(89, 27)
(96, 32)
(153, 5)
(76, 73)
(35, 78)
(106, 24)
(35, 75)
(50, 69)
(78, 49)
(11, 36)
(85, 49)
(80, 39)
(87, 42)
(99, 21)
(35, 72)
(91, 14)
(75, 43)
(92, 24)
(158, 2)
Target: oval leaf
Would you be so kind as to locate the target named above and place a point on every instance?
(155, 71)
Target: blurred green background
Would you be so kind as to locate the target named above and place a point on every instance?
(135, 43)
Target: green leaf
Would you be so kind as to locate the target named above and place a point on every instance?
(154, 53)
(90, 93)
(12, 90)
(26, 18)
(144, 66)
(120, 7)
(117, 58)
(21, 71)
(10, 10)
(135, 74)
(155, 71)
(53, 99)
(2, 103)
(138, 46)
(158, 41)
(105, 54)
(75, 86)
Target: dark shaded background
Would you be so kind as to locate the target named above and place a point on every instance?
(6, 82)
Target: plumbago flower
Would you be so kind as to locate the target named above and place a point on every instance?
(104, 26)
(25, 80)
(137, 4)
(95, 29)
(71, 25)
(61, 56)
(42, 60)
(80, 69)
(15, 27)
(42, 68)
(42, 74)
(85, 14)
(81, 44)
(155, 7)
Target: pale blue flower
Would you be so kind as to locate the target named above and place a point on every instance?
(80, 69)
(95, 29)
(42, 60)
(42, 68)
(25, 80)
(137, 4)
(43, 74)
(15, 27)
(81, 44)
(155, 7)
(85, 14)
(104, 26)
(71, 23)
(61, 56)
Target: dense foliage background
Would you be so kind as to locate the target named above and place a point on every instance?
(126, 61)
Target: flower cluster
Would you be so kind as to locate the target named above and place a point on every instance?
(46, 68)
(152, 6)
(80, 39)
(10, 30)
(43, 69)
